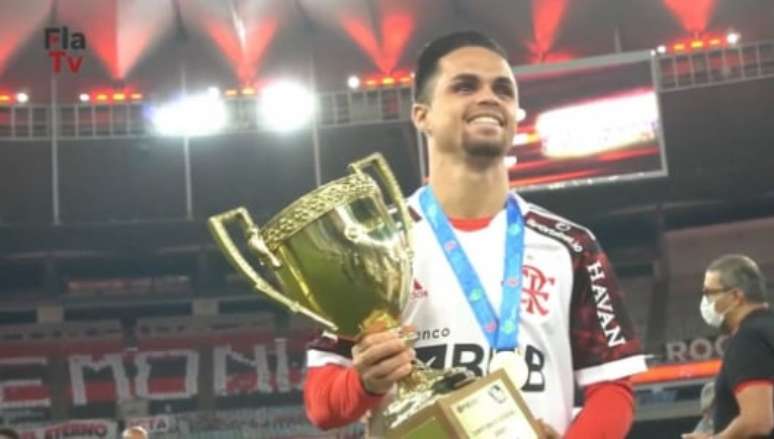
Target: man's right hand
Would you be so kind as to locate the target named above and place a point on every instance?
(382, 358)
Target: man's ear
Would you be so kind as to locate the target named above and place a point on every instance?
(419, 114)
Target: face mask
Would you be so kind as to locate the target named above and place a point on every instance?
(710, 314)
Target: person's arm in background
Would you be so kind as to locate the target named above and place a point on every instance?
(751, 374)
(756, 414)
(756, 411)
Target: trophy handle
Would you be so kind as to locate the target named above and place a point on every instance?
(217, 225)
(377, 161)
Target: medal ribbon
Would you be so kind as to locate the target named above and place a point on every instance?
(502, 333)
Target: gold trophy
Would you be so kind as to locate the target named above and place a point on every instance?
(342, 257)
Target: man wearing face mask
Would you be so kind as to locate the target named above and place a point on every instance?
(734, 299)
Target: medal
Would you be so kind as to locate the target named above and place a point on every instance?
(513, 363)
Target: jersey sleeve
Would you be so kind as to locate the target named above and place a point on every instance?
(608, 411)
(604, 343)
(752, 359)
(329, 349)
(333, 393)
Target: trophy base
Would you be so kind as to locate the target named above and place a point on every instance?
(489, 407)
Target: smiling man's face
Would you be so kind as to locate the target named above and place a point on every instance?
(473, 103)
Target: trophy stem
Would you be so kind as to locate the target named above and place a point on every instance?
(422, 378)
(378, 320)
(423, 385)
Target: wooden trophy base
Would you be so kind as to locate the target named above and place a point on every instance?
(489, 407)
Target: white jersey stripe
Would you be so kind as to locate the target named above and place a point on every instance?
(317, 358)
(610, 371)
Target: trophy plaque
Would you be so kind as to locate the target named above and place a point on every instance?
(488, 408)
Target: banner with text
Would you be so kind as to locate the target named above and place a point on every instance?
(170, 374)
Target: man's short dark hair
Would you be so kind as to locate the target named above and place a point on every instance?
(427, 63)
(8, 433)
(740, 271)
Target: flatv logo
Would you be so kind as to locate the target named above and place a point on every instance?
(63, 46)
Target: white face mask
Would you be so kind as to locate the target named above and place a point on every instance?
(710, 315)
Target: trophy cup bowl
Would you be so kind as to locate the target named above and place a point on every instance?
(338, 254)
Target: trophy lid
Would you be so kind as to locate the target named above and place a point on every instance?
(314, 205)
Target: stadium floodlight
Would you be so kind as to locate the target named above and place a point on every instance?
(353, 82)
(195, 115)
(285, 106)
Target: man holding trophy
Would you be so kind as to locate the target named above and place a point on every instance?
(498, 283)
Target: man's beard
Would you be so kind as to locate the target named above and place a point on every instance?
(485, 149)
